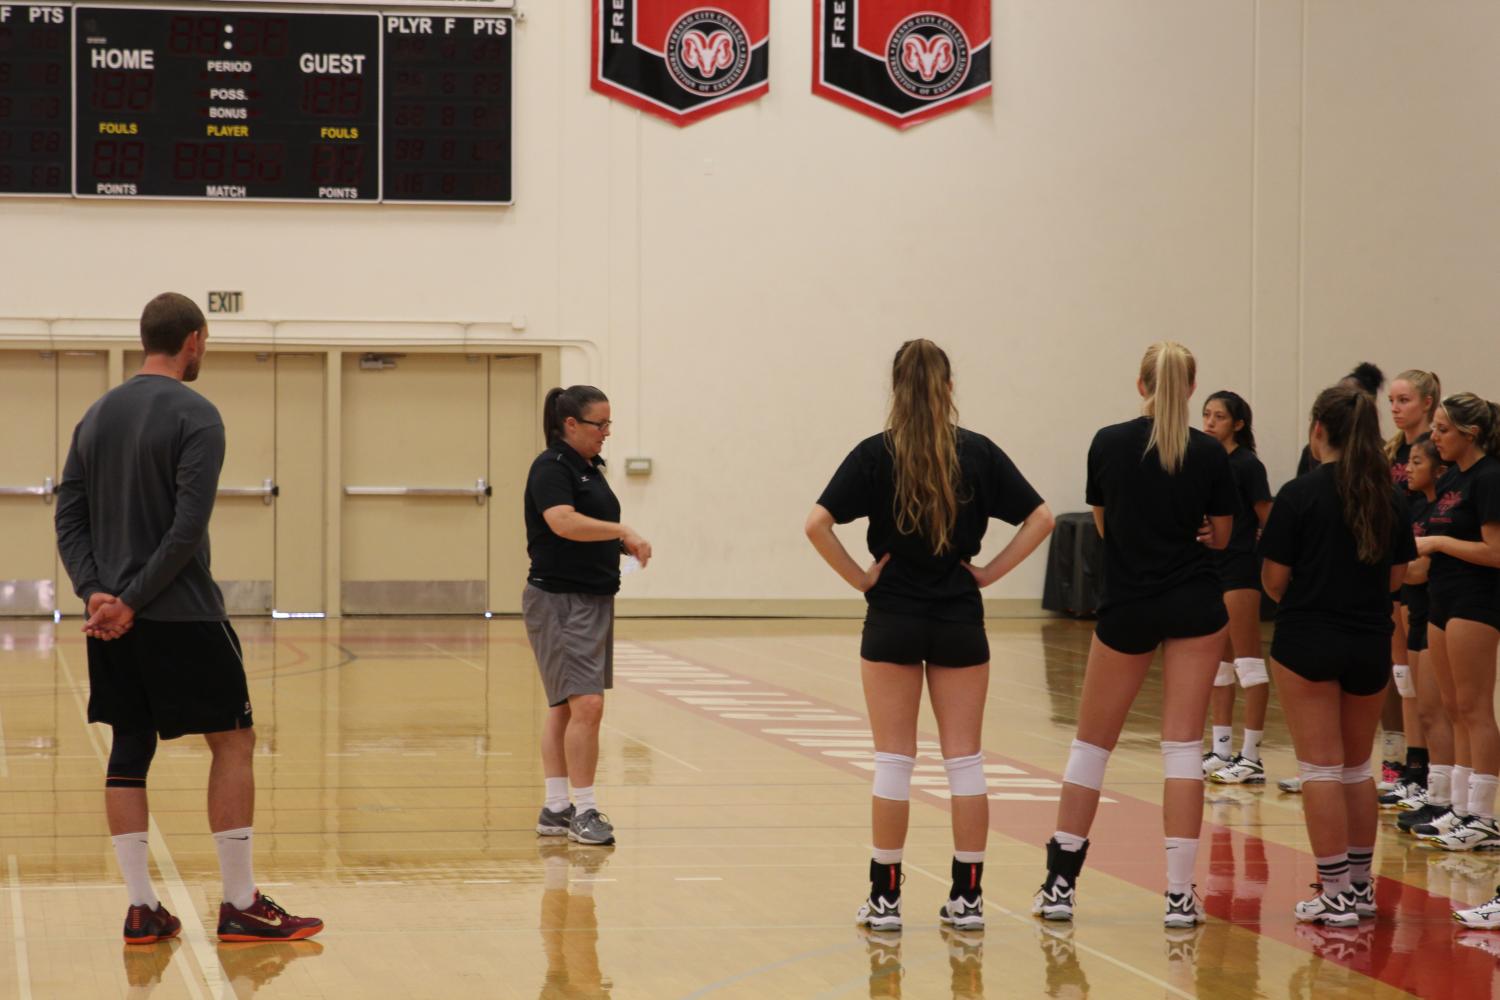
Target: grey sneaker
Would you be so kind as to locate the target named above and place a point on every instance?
(555, 824)
(591, 827)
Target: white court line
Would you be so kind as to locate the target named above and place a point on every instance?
(455, 656)
(593, 880)
(192, 922)
(1030, 921)
(486, 881)
(698, 878)
(18, 931)
(648, 746)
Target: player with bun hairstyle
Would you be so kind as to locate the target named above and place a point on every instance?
(1152, 482)
(929, 488)
(1335, 546)
(1228, 419)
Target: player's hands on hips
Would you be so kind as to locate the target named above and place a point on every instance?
(981, 574)
(1205, 532)
(108, 617)
(873, 573)
(637, 546)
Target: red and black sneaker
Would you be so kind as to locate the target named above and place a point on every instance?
(263, 920)
(144, 925)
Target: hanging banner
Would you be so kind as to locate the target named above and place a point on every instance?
(682, 59)
(901, 61)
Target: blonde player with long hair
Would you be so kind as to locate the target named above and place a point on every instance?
(1151, 482)
(928, 488)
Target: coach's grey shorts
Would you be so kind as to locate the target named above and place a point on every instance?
(573, 637)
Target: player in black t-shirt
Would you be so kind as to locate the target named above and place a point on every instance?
(1413, 398)
(1463, 539)
(1365, 376)
(1151, 483)
(929, 489)
(1227, 419)
(575, 539)
(1336, 544)
(1432, 798)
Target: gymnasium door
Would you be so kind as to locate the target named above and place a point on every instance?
(435, 453)
(266, 532)
(42, 396)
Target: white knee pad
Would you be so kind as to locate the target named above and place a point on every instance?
(1319, 772)
(1225, 676)
(1359, 772)
(1182, 760)
(1251, 671)
(893, 776)
(966, 774)
(1405, 686)
(1086, 764)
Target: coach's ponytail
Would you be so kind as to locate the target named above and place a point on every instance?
(561, 404)
(1168, 372)
(1350, 419)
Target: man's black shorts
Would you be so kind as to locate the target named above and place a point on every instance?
(171, 677)
(914, 639)
(1188, 612)
(1360, 662)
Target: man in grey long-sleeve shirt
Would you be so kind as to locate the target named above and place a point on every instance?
(133, 507)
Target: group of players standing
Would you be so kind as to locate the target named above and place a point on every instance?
(1192, 536)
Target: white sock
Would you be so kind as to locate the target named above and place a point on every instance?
(1223, 737)
(1393, 746)
(1069, 841)
(969, 857)
(583, 798)
(890, 857)
(1333, 872)
(237, 865)
(1440, 784)
(1252, 743)
(1182, 858)
(557, 794)
(1482, 795)
(131, 851)
(1461, 789)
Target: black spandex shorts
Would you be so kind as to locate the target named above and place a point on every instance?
(1470, 607)
(1415, 599)
(171, 678)
(1359, 661)
(914, 639)
(1237, 571)
(1140, 626)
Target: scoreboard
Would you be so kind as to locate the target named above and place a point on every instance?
(241, 104)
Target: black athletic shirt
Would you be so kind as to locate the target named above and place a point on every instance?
(1253, 488)
(1330, 586)
(562, 477)
(1466, 501)
(1419, 507)
(915, 581)
(1398, 464)
(1151, 518)
(1305, 462)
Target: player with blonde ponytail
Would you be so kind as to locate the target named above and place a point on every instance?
(1152, 482)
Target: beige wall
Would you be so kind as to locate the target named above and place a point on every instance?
(1286, 186)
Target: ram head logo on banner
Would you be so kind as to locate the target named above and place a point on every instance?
(682, 59)
(902, 61)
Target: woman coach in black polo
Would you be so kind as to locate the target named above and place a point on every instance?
(575, 538)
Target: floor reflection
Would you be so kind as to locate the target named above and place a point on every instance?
(569, 922)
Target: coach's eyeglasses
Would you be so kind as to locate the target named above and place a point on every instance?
(603, 425)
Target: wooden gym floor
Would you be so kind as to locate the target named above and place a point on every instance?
(399, 781)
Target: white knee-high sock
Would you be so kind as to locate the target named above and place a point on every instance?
(237, 865)
(1461, 789)
(131, 851)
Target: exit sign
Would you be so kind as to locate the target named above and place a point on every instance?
(226, 302)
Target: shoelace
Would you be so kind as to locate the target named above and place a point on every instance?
(273, 906)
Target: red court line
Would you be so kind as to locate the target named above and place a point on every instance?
(1126, 844)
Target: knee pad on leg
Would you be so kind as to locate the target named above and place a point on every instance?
(1251, 671)
(1086, 764)
(1359, 772)
(1182, 760)
(966, 774)
(130, 759)
(1225, 676)
(1405, 686)
(893, 776)
(1319, 772)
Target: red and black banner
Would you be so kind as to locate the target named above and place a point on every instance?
(682, 59)
(901, 61)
